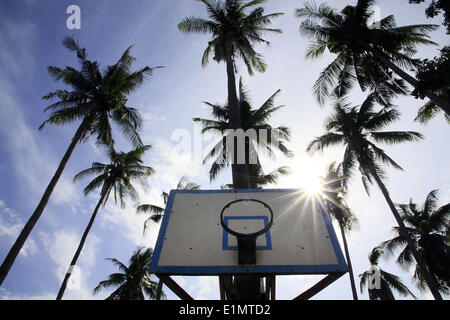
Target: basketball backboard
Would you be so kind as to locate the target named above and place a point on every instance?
(192, 240)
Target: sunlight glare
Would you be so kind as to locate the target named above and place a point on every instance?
(312, 185)
(308, 177)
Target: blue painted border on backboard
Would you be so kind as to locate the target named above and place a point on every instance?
(340, 267)
(333, 237)
(225, 234)
(162, 232)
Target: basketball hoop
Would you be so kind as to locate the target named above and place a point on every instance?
(246, 241)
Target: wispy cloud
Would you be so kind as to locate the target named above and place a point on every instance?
(31, 158)
(129, 224)
(11, 225)
(171, 163)
(61, 246)
(7, 295)
(205, 288)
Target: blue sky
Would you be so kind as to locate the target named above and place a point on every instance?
(30, 35)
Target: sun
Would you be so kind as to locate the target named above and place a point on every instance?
(306, 175)
(311, 184)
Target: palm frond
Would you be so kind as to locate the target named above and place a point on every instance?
(427, 112)
(99, 181)
(328, 77)
(396, 283)
(197, 25)
(381, 119)
(394, 137)
(381, 155)
(149, 208)
(324, 141)
(431, 202)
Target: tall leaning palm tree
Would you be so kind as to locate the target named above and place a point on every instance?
(234, 35)
(366, 53)
(134, 281)
(359, 128)
(96, 97)
(118, 176)
(261, 136)
(388, 281)
(427, 225)
(333, 192)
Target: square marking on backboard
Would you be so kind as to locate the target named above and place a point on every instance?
(226, 235)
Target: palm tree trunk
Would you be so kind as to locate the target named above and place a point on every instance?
(438, 100)
(239, 172)
(349, 262)
(159, 290)
(80, 247)
(417, 256)
(233, 103)
(20, 241)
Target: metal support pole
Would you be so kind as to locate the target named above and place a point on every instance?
(247, 287)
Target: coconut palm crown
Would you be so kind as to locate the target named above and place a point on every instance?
(366, 52)
(234, 31)
(359, 128)
(428, 226)
(97, 96)
(263, 136)
(133, 282)
(388, 282)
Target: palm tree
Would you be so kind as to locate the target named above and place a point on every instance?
(388, 281)
(96, 97)
(365, 53)
(254, 121)
(234, 34)
(117, 176)
(355, 128)
(157, 212)
(427, 226)
(133, 281)
(333, 192)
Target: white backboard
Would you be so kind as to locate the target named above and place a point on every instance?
(192, 241)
